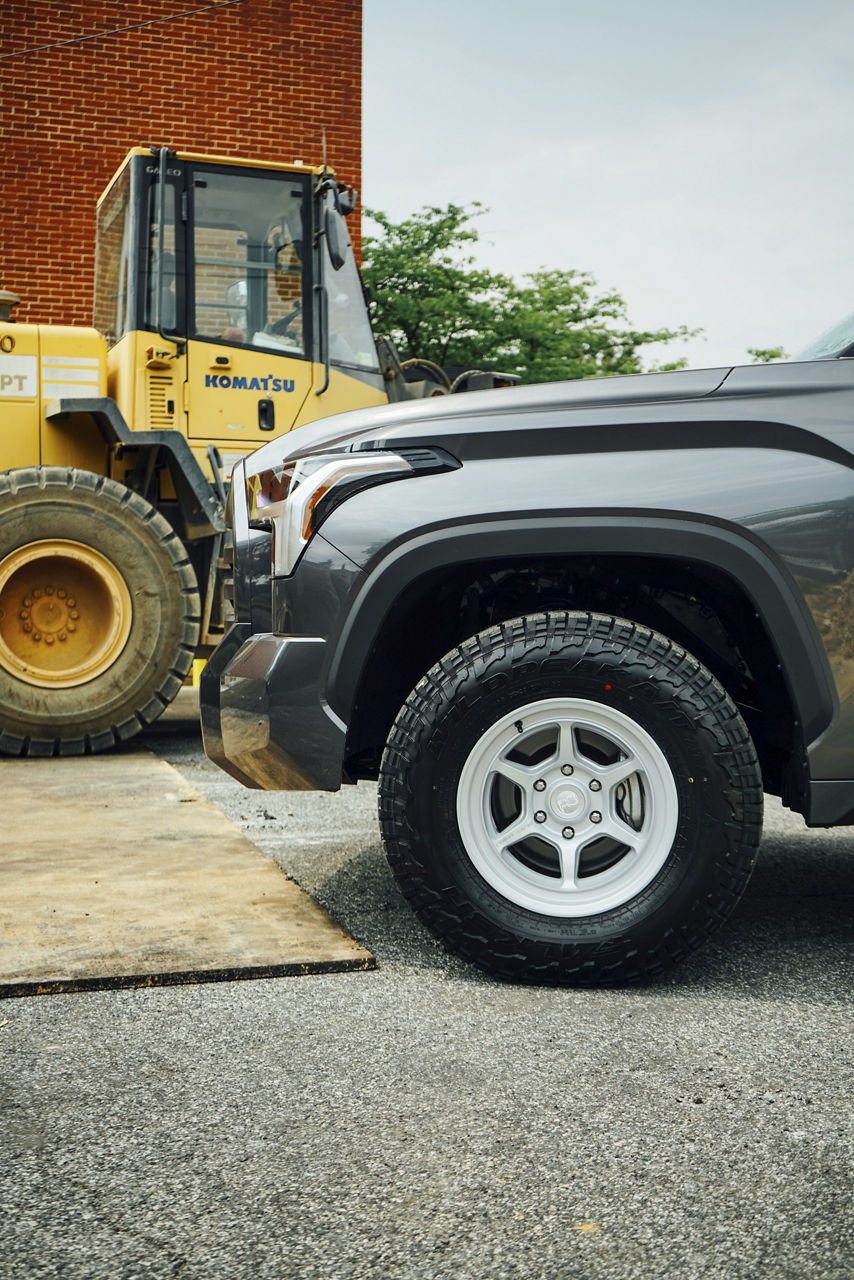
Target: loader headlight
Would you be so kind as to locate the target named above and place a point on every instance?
(293, 500)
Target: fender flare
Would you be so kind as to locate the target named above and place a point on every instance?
(735, 551)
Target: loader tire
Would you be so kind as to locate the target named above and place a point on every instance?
(99, 612)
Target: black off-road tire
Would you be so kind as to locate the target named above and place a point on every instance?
(691, 811)
(126, 550)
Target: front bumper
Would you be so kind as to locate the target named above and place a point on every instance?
(261, 691)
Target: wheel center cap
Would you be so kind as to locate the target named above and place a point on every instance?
(49, 614)
(567, 801)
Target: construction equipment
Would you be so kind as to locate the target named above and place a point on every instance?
(228, 309)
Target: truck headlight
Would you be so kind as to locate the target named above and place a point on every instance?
(292, 500)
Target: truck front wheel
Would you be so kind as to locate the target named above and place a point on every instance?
(99, 612)
(570, 798)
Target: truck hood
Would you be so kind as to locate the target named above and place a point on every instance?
(444, 416)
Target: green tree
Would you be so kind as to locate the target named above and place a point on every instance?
(427, 292)
(432, 299)
(561, 325)
(764, 355)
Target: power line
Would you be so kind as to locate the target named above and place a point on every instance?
(100, 35)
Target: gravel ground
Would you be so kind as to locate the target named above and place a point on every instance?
(424, 1121)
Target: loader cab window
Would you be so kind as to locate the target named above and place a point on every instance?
(115, 259)
(351, 339)
(166, 271)
(249, 248)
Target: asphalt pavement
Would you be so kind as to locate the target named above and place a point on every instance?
(422, 1120)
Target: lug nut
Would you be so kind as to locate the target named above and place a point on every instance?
(74, 612)
(71, 602)
(539, 785)
(72, 626)
(62, 636)
(595, 785)
(25, 613)
(27, 602)
(28, 626)
(567, 769)
(49, 639)
(49, 591)
(37, 635)
(37, 593)
(595, 816)
(61, 593)
(539, 816)
(568, 833)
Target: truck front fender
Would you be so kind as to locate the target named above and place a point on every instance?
(761, 575)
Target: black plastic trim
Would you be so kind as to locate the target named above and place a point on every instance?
(264, 719)
(749, 563)
(831, 803)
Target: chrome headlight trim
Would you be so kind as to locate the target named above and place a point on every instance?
(293, 499)
(285, 500)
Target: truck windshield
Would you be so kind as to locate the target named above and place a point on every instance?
(835, 342)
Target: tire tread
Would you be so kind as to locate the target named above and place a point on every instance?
(646, 658)
(104, 490)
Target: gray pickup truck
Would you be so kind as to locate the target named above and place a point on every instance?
(575, 631)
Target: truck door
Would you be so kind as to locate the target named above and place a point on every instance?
(249, 366)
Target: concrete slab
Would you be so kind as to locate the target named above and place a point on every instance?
(115, 872)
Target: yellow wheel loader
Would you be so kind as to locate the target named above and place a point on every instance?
(228, 309)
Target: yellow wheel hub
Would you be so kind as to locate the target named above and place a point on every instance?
(65, 613)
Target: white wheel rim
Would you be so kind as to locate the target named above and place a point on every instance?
(567, 807)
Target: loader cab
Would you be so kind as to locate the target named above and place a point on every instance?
(230, 299)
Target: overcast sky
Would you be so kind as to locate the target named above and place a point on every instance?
(695, 157)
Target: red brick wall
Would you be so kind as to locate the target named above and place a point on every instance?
(256, 78)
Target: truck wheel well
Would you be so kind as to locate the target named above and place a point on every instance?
(697, 605)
